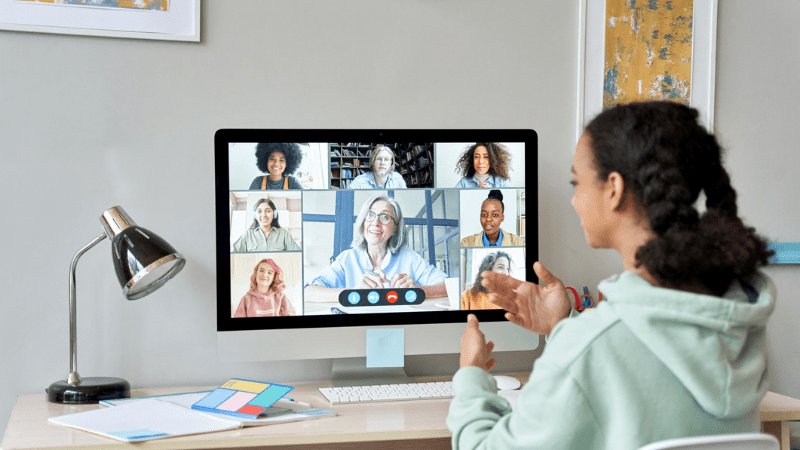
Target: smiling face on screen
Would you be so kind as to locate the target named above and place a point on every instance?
(480, 160)
(276, 165)
(376, 232)
(501, 265)
(265, 275)
(264, 215)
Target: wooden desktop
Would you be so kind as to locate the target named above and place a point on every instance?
(390, 425)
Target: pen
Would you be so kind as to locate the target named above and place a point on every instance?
(386, 282)
(299, 402)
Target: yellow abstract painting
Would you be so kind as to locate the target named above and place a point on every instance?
(152, 5)
(648, 51)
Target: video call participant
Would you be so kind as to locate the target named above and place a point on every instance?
(378, 258)
(265, 297)
(484, 165)
(678, 346)
(280, 160)
(265, 234)
(477, 297)
(492, 217)
(382, 176)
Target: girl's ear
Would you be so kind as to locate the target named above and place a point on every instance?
(615, 190)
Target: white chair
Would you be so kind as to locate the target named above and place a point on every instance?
(745, 441)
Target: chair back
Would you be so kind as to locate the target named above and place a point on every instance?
(744, 441)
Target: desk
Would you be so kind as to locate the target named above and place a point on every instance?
(776, 412)
(382, 425)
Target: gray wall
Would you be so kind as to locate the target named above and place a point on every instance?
(88, 123)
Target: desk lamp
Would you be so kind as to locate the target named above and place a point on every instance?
(143, 262)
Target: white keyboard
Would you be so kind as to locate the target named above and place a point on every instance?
(388, 392)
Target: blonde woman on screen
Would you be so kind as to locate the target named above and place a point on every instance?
(265, 297)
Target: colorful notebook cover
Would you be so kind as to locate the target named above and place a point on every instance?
(242, 398)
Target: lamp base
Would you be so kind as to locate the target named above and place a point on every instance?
(89, 390)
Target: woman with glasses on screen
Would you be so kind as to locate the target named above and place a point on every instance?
(378, 257)
(265, 234)
(382, 176)
(678, 346)
(265, 297)
(484, 165)
(477, 297)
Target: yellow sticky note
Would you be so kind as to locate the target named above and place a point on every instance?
(245, 386)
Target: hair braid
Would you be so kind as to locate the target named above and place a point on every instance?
(666, 158)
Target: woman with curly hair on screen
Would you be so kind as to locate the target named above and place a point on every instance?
(678, 345)
(484, 165)
(265, 297)
(477, 297)
(280, 161)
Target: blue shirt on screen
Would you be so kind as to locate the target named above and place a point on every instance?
(367, 181)
(493, 181)
(351, 265)
(499, 242)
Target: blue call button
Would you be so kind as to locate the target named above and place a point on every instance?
(373, 297)
(354, 298)
(411, 296)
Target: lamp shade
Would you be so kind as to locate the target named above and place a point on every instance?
(143, 261)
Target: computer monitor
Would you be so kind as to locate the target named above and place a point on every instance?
(323, 235)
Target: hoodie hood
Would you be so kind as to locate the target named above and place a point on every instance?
(714, 345)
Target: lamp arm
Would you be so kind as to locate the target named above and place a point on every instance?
(73, 378)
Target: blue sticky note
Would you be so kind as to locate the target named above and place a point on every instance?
(385, 347)
(216, 398)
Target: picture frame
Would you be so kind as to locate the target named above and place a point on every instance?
(591, 54)
(181, 21)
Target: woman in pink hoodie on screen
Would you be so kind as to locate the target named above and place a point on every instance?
(265, 297)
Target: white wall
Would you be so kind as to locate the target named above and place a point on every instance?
(757, 110)
(88, 123)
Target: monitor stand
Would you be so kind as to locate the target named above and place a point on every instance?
(354, 372)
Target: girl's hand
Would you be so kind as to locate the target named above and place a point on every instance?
(475, 350)
(537, 308)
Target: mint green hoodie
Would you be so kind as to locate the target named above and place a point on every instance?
(647, 364)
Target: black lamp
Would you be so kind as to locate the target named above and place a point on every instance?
(143, 262)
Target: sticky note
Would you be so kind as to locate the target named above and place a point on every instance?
(385, 347)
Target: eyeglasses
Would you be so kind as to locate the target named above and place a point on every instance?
(383, 160)
(383, 217)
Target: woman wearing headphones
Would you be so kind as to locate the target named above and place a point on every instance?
(265, 234)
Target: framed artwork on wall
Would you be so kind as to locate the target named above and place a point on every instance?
(174, 20)
(659, 49)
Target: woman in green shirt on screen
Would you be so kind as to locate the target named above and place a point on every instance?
(265, 234)
(677, 347)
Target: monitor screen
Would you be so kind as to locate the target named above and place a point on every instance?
(330, 229)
